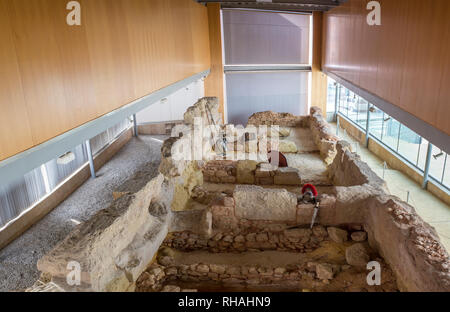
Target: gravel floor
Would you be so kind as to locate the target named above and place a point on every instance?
(18, 260)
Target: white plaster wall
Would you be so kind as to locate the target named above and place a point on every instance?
(174, 106)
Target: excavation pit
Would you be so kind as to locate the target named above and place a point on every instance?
(261, 261)
(227, 224)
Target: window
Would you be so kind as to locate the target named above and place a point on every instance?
(352, 106)
(438, 163)
(331, 95)
(258, 46)
(363, 106)
(256, 37)
(249, 92)
(343, 106)
(34, 185)
(446, 174)
(404, 142)
(410, 145)
(391, 128)
(376, 122)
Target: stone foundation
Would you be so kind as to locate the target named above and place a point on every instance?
(252, 213)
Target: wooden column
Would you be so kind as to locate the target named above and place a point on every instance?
(319, 79)
(214, 82)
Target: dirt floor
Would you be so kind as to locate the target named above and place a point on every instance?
(302, 137)
(313, 169)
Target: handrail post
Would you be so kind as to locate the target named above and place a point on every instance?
(427, 166)
(368, 125)
(135, 128)
(91, 159)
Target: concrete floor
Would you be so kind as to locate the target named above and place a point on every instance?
(429, 207)
(18, 260)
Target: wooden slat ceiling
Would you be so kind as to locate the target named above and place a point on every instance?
(279, 5)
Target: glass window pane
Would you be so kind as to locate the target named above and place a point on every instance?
(331, 95)
(390, 132)
(423, 148)
(363, 106)
(352, 109)
(376, 122)
(437, 163)
(343, 101)
(257, 92)
(255, 37)
(409, 144)
(446, 181)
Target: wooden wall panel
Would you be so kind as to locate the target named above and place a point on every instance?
(404, 61)
(442, 113)
(55, 77)
(318, 78)
(214, 82)
(15, 133)
(107, 38)
(40, 65)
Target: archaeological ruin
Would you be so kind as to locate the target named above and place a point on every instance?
(220, 217)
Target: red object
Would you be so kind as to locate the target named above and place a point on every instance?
(282, 161)
(310, 187)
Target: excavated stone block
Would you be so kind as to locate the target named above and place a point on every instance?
(359, 236)
(228, 201)
(324, 271)
(245, 171)
(195, 221)
(227, 179)
(224, 222)
(287, 176)
(298, 235)
(110, 258)
(207, 108)
(305, 213)
(281, 132)
(281, 119)
(222, 211)
(257, 203)
(337, 235)
(262, 173)
(265, 181)
(286, 146)
(357, 255)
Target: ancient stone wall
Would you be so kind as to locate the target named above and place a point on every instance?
(118, 243)
(280, 119)
(323, 136)
(249, 172)
(114, 247)
(408, 244)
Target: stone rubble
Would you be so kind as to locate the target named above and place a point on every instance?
(250, 238)
(359, 236)
(337, 235)
(166, 278)
(357, 255)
